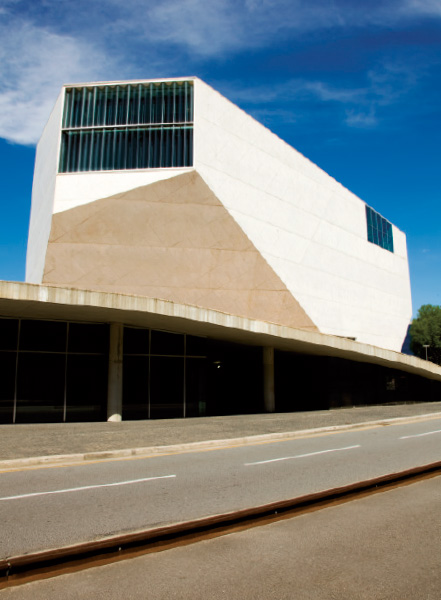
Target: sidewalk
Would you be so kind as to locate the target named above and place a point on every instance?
(26, 441)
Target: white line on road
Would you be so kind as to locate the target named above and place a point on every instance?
(87, 487)
(406, 437)
(262, 462)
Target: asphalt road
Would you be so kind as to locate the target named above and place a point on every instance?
(52, 507)
(386, 546)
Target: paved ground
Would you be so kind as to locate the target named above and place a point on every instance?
(385, 546)
(22, 441)
(39, 508)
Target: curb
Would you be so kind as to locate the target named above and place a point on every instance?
(150, 451)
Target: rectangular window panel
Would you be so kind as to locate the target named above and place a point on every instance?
(43, 336)
(40, 387)
(195, 387)
(7, 387)
(88, 338)
(86, 387)
(136, 341)
(121, 149)
(135, 387)
(196, 346)
(166, 387)
(128, 127)
(166, 343)
(8, 334)
(379, 230)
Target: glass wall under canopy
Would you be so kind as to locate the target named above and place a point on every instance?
(127, 126)
(53, 371)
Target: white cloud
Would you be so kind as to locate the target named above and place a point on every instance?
(34, 63)
(59, 41)
(387, 84)
(296, 90)
(429, 8)
(219, 27)
(361, 119)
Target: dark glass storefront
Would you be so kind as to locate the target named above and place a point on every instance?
(52, 371)
(163, 375)
(169, 375)
(304, 382)
(57, 371)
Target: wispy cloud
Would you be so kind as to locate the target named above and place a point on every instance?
(46, 43)
(34, 63)
(361, 103)
(219, 27)
(429, 8)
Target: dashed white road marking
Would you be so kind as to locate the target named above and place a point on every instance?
(406, 437)
(263, 462)
(87, 487)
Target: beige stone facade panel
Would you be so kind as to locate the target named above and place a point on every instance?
(181, 246)
(153, 224)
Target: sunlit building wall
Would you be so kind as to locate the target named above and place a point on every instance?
(168, 190)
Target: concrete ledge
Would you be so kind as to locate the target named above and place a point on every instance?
(57, 302)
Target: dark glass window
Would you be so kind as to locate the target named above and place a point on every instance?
(43, 336)
(40, 387)
(89, 338)
(195, 387)
(136, 341)
(379, 230)
(135, 387)
(166, 387)
(86, 387)
(167, 344)
(128, 127)
(196, 346)
(8, 334)
(7, 386)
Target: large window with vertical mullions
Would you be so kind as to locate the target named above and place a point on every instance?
(164, 374)
(379, 230)
(127, 126)
(53, 371)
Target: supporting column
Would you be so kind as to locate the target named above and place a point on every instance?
(115, 381)
(269, 399)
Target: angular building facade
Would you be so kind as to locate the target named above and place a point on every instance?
(183, 261)
(166, 189)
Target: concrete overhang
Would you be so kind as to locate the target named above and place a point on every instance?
(57, 303)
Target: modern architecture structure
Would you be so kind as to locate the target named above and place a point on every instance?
(172, 237)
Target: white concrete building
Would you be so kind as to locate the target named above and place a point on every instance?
(168, 190)
(184, 261)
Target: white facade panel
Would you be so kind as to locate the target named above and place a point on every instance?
(43, 191)
(310, 229)
(76, 189)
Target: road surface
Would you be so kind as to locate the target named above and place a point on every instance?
(51, 507)
(386, 546)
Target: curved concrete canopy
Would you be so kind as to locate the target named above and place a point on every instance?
(47, 302)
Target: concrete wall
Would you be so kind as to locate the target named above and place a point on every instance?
(43, 193)
(308, 227)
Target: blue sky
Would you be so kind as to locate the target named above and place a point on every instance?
(355, 85)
